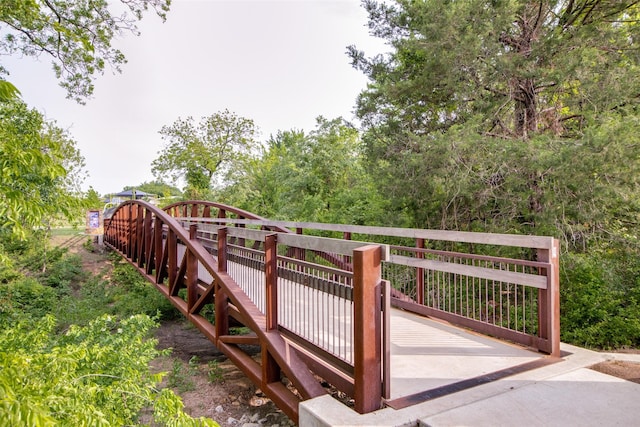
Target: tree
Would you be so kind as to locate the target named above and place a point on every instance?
(471, 118)
(517, 117)
(207, 151)
(40, 170)
(77, 35)
(524, 66)
(318, 176)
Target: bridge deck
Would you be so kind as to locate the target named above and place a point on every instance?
(431, 359)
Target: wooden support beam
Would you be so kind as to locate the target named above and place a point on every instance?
(172, 261)
(367, 328)
(549, 301)
(420, 273)
(270, 368)
(192, 270)
(221, 301)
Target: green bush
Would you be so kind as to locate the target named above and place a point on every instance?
(133, 294)
(599, 309)
(94, 375)
(65, 271)
(91, 300)
(25, 297)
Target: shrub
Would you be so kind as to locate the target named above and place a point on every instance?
(25, 297)
(597, 308)
(93, 375)
(133, 294)
(65, 271)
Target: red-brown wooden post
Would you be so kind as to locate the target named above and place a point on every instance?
(119, 233)
(148, 239)
(172, 248)
(157, 238)
(549, 300)
(140, 235)
(301, 254)
(346, 236)
(221, 304)
(194, 210)
(367, 328)
(271, 278)
(132, 232)
(270, 369)
(420, 273)
(192, 271)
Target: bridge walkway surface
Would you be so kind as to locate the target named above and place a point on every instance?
(406, 332)
(566, 393)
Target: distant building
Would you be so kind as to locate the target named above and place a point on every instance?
(116, 199)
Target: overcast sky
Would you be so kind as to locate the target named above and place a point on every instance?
(279, 63)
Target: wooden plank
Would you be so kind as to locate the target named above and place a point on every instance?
(325, 244)
(191, 279)
(516, 240)
(512, 277)
(251, 339)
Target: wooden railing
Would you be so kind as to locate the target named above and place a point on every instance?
(455, 276)
(239, 273)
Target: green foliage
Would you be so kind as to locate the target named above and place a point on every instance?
(599, 307)
(212, 150)
(92, 375)
(132, 294)
(92, 299)
(40, 170)
(92, 199)
(96, 372)
(158, 188)
(8, 91)
(525, 67)
(315, 177)
(76, 35)
(214, 372)
(66, 271)
(126, 293)
(179, 377)
(25, 296)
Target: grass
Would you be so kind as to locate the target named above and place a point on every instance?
(65, 231)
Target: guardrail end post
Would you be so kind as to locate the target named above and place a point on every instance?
(367, 328)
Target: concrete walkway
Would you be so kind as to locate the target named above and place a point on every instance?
(428, 355)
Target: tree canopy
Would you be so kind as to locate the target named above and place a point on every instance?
(315, 176)
(475, 117)
(517, 117)
(203, 152)
(522, 67)
(76, 35)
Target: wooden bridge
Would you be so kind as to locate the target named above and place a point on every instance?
(317, 298)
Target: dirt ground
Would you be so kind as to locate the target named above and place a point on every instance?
(211, 385)
(629, 371)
